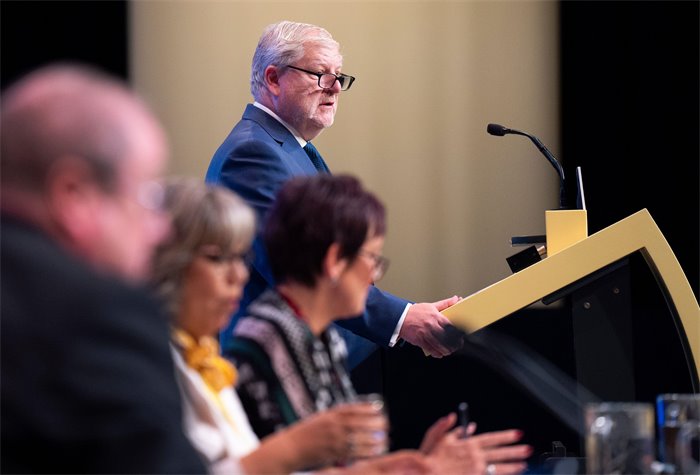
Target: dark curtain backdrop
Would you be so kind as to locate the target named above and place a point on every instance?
(630, 114)
(36, 32)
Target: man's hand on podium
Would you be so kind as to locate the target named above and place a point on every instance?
(430, 330)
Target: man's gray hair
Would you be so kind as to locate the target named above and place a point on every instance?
(282, 44)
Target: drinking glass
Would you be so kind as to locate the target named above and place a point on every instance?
(673, 411)
(619, 438)
(370, 437)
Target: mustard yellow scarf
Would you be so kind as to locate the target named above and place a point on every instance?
(203, 356)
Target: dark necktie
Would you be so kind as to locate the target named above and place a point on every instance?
(316, 158)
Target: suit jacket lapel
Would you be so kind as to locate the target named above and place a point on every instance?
(280, 134)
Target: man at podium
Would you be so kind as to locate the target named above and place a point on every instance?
(296, 82)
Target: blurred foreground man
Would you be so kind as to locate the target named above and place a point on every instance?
(87, 382)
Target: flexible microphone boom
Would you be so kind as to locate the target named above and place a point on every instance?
(500, 131)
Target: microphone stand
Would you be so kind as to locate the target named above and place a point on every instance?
(499, 130)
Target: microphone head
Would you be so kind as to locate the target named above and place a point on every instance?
(497, 130)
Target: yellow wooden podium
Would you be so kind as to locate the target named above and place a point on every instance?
(636, 233)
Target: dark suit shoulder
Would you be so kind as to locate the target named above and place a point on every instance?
(87, 380)
(43, 280)
(254, 143)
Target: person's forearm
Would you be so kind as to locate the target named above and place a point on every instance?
(285, 451)
(273, 455)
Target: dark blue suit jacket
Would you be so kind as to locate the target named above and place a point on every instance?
(256, 158)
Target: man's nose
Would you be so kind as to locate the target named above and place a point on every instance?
(335, 88)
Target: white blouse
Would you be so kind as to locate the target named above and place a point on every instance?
(218, 427)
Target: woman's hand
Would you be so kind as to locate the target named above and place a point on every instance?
(439, 429)
(490, 453)
(402, 462)
(322, 439)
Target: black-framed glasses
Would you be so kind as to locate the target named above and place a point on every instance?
(327, 80)
(381, 264)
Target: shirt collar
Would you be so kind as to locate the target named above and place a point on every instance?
(296, 135)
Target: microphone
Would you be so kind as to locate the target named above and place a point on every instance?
(500, 131)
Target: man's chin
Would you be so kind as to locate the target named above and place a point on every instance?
(318, 128)
(326, 116)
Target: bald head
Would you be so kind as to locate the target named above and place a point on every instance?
(74, 143)
(62, 111)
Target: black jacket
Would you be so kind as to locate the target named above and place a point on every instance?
(87, 380)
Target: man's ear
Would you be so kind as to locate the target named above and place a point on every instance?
(73, 199)
(272, 79)
(333, 264)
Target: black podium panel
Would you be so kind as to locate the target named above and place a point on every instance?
(609, 336)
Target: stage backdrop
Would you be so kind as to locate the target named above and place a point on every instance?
(430, 77)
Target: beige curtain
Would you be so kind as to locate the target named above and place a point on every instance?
(430, 76)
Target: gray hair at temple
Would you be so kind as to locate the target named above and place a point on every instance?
(282, 44)
(201, 214)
